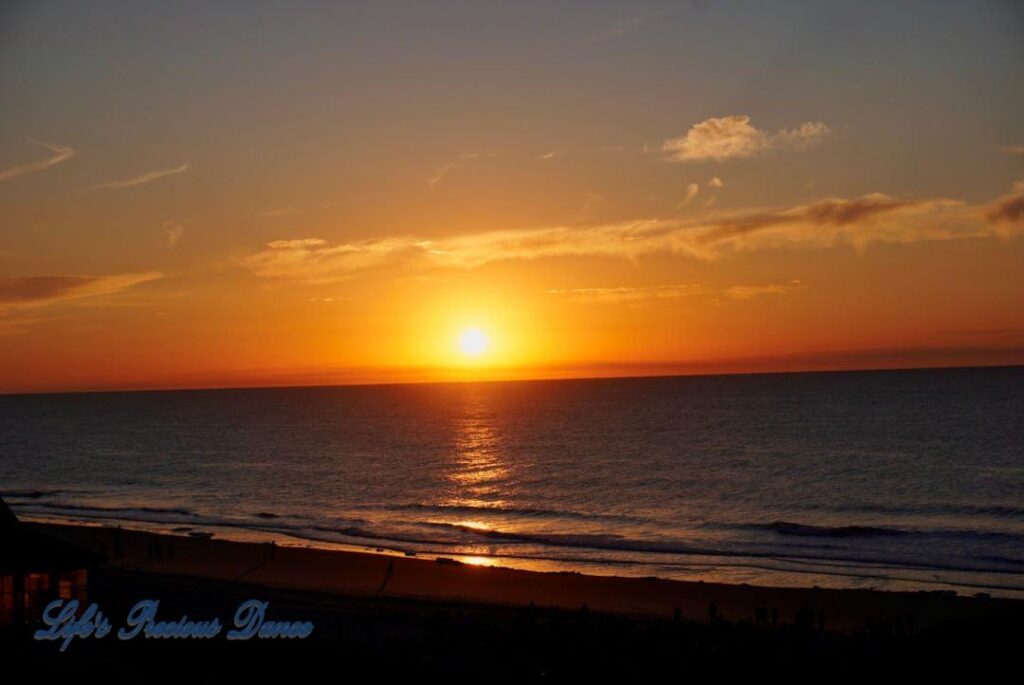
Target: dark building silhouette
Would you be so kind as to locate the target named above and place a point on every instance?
(36, 568)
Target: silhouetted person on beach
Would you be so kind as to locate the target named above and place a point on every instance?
(775, 617)
(677, 615)
(713, 613)
(584, 614)
(805, 617)
(527, 615)
(387, 575)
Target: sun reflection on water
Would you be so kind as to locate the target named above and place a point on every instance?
(479, 475)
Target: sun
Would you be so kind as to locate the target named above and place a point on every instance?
(473, 342)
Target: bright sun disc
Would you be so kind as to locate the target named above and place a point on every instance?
(473, 342)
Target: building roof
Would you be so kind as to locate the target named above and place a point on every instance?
(7, 517)
(24, 549)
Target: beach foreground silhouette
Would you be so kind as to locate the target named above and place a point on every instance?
(385, 614)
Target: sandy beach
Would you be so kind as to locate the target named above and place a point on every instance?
(377, 615)
(354, 574)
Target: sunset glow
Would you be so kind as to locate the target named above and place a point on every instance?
(575, 341)
(588, 201)
(473, 342)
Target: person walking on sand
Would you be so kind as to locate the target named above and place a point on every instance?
(713, 612)
(387, 575)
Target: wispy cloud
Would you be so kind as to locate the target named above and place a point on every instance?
(983, 333)
(691, 192)
(716, 182)
(173, 231)
(548, 155)
(1013, 149)
(441, 172)
(1008, 210)
(629, 293)
(445, 169)
(18, 324)
(734, 137)
(623, 27)
(147, 177)
(486, 154)
(617, 295)
(34, 291)
(748, 292)
(61, 153)
(857, 222)
(274, 213)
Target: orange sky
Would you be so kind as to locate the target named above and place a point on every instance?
(194, 199)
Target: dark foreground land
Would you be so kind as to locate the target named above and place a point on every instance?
(442, 620)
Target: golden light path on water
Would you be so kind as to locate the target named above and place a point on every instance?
(479, 474)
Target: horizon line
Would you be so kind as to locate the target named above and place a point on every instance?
(550, 379)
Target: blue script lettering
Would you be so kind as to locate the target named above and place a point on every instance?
(142, 618)
(67, 626)
(250, 619)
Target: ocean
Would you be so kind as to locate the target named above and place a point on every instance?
(901, 480)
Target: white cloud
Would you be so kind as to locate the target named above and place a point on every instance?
(716, 182)
(732, 137)
(805, 135)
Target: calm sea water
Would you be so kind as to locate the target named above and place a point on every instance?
(900, 480)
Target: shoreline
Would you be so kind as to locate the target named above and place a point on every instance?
(444, 581)
(858, 573)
